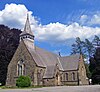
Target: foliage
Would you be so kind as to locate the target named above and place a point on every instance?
(95, 67)
(96, 40)
(23, 81)
(77, 47)
(86, 48)
(88, 73)
(89, 48)
(9, 40)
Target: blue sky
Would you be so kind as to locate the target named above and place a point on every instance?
(57, 10)
(55, 23)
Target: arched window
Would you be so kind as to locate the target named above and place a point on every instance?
(73, 76)
(21, 68)
(66, 76)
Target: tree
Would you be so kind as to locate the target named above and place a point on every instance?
(86, 48)
(96, 40)
(88, 73)
(95, 66)
(77, 47)
(92, 64)
(89, 48)
(9, 40)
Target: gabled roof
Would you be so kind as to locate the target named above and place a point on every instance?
(69, 62)
(43, 58)
(48, 57)
(49, 60)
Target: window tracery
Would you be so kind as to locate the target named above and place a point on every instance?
(20, 68)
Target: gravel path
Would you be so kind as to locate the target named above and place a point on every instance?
(90, 88)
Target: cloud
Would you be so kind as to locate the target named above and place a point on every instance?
(57, 32)
(14, 15)
(83, 19)
(90, 19)
(95, 19)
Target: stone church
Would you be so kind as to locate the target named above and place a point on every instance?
(44, 67)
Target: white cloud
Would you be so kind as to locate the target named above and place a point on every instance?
(95, 19)
(92, 19)
(58, 32)
(83, 19)
(15, 15)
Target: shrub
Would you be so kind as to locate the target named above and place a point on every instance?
(23, 81)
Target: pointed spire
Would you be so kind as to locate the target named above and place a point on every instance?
(27, 28)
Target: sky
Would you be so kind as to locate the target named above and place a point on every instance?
(55, 23)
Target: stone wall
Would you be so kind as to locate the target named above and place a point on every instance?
(49, 82)
(40, 72)
(30, 66)
(83, 80)
(67, 78)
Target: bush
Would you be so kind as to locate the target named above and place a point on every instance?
(23, 81)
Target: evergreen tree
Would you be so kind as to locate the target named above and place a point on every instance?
(77, 47)
(89, 48)
(96, 40)
(95, 67)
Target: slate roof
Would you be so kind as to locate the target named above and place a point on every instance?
(69, 62)
(43, 58)
(49, 73)
(49, 60)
